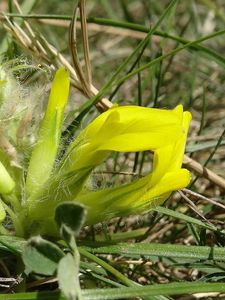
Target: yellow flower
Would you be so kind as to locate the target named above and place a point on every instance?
(125, 128)
(164, 132)
(53, 177)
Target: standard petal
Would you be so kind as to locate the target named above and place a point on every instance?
(133, 118)
(141, 141)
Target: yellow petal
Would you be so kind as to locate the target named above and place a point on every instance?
(178, 153)
(131, 198)
(132, 118)
(125, 128)
(141, 141)
(170, 182)
(161, 162)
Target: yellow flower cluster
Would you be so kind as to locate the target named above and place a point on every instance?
(131, 128)
(126, 129)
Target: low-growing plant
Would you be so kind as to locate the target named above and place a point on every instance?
(70, 184)
(31, 193)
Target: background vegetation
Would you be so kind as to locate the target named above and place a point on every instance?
(182, 61)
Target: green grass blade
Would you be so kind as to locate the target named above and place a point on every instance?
(26, 7)
(127, 292)
(33, 296)
(118, 275)
(88, 105)
(163, 250)
(107, 267)
(206, 52)
(173, 52)
(220, 140)
(203, 146)
(153, 290)
(185, 218)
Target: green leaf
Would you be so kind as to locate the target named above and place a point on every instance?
(185, 218)
(206, 52)
(180, 288)
(70, 217)
(153, 290)
(33, 296)
(203, 146)
(118, 275)
(12, 244)
(93, 268)
(167, 55)
(163, 250)
(41, 256)
(67, 274)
